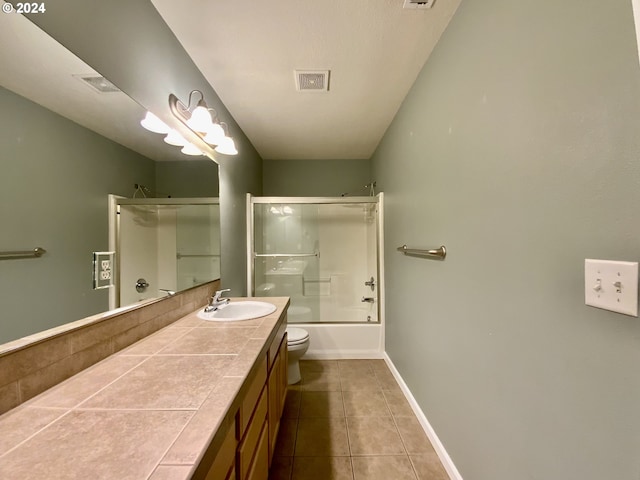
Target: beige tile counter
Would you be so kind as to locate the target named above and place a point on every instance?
(151, 411)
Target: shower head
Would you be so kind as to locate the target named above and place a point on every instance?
(370, 186)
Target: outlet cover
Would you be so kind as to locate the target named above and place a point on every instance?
(103, 270)
(611, 285)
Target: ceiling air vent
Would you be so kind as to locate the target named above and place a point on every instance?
(312, 80)
(98, 83)
(418, 4)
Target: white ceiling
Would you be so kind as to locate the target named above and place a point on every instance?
(248, 52)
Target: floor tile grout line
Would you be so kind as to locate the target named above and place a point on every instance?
(381, 388)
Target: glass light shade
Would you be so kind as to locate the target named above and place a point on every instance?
(191, 149)
(174, 138)
(200, 120)
(227, 147)
(215, 135)
(154, 124)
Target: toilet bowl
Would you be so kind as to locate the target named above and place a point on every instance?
(297, 346)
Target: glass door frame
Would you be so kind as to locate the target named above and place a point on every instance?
(378, 199)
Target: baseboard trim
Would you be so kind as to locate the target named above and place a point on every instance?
(341, 354)
(447, 463)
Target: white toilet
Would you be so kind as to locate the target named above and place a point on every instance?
(297, 346)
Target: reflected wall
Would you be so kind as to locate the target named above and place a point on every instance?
(56, 176)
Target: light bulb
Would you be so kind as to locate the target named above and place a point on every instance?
(200, 120)
(154, 124)
(191, 149)
(215, 135)
(174, 138)
(227, 147)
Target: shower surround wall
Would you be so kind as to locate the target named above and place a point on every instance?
(518, 148)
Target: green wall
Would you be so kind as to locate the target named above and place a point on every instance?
(316, 178)
(518, 148)
(54, 183)
(187, 179)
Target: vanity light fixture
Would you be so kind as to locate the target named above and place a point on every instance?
(198, 117)
(174, 138)
(191, 149)
(215, 135)
(226, 145)
(154, 124)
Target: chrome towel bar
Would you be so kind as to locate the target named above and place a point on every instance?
(184, 255)
(36, 252)
(437, 253)
(283, 255)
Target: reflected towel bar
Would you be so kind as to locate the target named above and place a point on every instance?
(35, 253)
(278, 255)
(184, 255)
(437, 253)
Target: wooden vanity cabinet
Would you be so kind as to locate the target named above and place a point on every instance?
(249, 445)
(277, 385)
(223, 466)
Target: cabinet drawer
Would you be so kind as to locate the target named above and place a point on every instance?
(260, 467)
(251, 398)
(225, 457)
(247, 449)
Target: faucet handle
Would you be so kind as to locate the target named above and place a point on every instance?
(219, 293)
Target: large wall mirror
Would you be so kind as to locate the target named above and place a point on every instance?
(65, 147)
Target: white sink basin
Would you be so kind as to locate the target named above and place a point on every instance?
(236, 311)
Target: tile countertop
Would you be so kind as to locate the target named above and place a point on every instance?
(146, 412)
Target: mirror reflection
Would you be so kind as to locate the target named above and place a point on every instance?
(66, 144)
(164, 246)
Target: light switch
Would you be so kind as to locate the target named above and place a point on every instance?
(611, 285)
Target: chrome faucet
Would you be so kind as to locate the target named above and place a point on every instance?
(217, 301)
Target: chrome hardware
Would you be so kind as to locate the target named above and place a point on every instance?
(170, 293)
(217, 301)
(439, 253)
(36, 252)
(371, 283)
(368, 299)
(285, 255)
(141, 285)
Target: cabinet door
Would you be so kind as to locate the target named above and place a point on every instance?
(249, 444)
(284, 374)
(225, 459)
(274, 405)
(260, 467)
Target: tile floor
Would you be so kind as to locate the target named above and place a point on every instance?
(348, 419)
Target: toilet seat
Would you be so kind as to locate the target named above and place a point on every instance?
(296, 336)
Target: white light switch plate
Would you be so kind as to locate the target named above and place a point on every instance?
(611, 285)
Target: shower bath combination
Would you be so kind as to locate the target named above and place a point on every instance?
(325, 254)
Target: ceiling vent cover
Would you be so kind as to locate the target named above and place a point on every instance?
(312, 80)
(98, 83)
(418, 4)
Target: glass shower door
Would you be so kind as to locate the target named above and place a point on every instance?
(165, 245)
(197, 245)
(323, 255)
